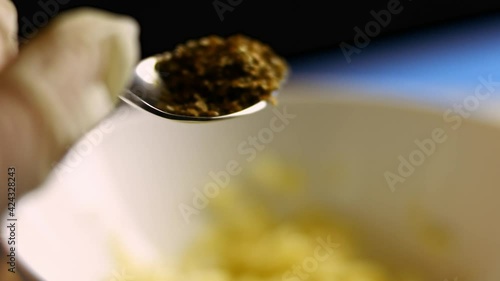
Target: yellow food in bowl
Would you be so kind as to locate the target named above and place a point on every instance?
(249, 239)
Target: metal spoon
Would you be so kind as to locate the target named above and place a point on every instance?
(147, 85)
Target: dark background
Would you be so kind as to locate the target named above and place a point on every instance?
(292, 28)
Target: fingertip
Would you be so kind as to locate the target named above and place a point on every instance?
(120, 51)
(125, 55)
(8, 31)
(130, 24)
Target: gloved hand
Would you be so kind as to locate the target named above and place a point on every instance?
(58, 86)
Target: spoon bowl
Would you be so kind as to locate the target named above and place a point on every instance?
(147, 86)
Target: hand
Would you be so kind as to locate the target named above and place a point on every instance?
(58, 86)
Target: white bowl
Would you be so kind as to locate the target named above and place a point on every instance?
(126, 180)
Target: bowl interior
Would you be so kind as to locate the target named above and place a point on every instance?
(404, 175)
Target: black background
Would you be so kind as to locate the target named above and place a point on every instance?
(292, 28)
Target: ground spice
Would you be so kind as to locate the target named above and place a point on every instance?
(215, 76)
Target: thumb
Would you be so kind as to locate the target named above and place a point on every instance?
(8, 31)
(59, 86)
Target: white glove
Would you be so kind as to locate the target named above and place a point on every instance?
(58, 86)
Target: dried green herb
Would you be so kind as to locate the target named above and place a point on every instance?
(214, 76)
